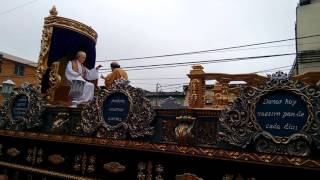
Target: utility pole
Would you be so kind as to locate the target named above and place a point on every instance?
(157, 92)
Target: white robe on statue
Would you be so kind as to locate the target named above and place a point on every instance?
(88, 90)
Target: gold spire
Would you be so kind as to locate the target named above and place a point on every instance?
(53, 11)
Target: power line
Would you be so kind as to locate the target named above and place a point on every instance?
(17, 7)
(168, 65)
(210, 50)
(272, 69)
(156, 78)
(285, 45)
(173, 78)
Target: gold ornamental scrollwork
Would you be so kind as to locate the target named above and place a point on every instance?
(183, 131)
(56, 159)
(187, 176)
(194, 92)
(54, 80)
(114, 167)
(55, 20)
(13, 152)
(44, 52)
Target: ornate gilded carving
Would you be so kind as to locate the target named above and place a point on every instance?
(196, 89)
(159, 170)
(33, 111)
(238, 125)
(136, 124)
(53, 11)
(168, 128)
(183, 131)
(84, 163)
(149, 171)
(195, 93)
(206, 132)
(77, 165)
(60, 123)
(141, 168)
(221, 97)
(187, 176)
(196, 151)
(44, 50)
(35, 155)
(145, 171)
(297, 144)
(92, 164)
(56, 159)
(114, 167)
(54, 81)
(13, 152)
(228, 177)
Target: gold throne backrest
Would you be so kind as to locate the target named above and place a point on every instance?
(62, 69)
(59, 89)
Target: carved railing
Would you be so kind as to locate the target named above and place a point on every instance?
(222, 92)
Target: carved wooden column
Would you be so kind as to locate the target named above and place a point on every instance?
(221, 93)
(225, 92)
(197, 87)
(217, 95)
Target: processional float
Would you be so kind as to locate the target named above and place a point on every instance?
(266, 129)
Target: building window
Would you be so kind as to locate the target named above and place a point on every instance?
(19, 70)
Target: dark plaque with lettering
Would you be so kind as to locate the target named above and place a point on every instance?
(19, 107)
(281, 113)
(115, 108)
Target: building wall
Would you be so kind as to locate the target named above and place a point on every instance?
(158, 100)
(308, 23)
(308, 49)
(8, 72)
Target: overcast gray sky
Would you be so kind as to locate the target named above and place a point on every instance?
(135, 28)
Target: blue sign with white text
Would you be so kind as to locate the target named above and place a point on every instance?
(19, 107)
(281, 113)
(115, 108)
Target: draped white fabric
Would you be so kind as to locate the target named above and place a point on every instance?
(83, 74)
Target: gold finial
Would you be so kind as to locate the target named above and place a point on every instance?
(53, 11)
(197, 69)
(197, 66)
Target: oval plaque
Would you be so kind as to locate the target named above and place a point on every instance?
(281, 113)
(115, 108)
(19, 107)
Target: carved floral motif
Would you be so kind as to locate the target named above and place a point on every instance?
(183, 131)
(13, 152)
(56, 159)
(114, 167)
